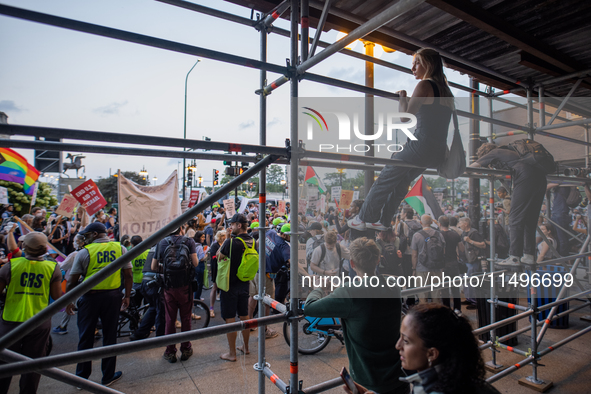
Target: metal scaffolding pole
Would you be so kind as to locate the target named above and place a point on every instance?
(579, 122)
(564, 101)
(262, 209)
(60, 375)
(96, 353)
(474, 144)
(491, 225)
(369, 112)
(120, 138)
(320, 27)
(530, 114)
(376, 22)
(113, 267)
(293, 185)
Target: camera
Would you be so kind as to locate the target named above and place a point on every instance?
(577, 171)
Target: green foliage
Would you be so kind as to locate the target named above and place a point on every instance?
(108, 186)
(22, 201)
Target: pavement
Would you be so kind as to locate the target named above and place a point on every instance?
(569, 367)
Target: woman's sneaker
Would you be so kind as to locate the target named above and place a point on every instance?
(59, 330)
(511, 261)
(376, 226)
(528, 259)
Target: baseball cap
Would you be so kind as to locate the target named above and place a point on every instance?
(254, 225)
(286, 228)
(213, 220)
(95, 227)
(315, 226)
(35, 243)
(277, 221)
(238, 218)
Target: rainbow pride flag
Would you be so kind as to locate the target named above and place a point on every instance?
(15, 168)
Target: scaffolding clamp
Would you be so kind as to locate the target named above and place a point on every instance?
(288, 147)
(259, 369)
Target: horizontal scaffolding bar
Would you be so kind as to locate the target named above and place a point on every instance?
(116, 150)
(135, 346)
(508, 305)
(273, 304)
(487, 119)
(113, 267)
(579, 122)
(563, 300)
(502, 323)
(324, 386)
(510, 370)
(348, 85)
(275, 379)
(528, 328)
(564, 341)
(121, 138)
(563, 77)
(512, 349)
(61, 376)
(136, 38)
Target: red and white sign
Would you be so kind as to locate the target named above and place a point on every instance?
(229, 207)
(194, 197)
(302, 205)
(90, 197)
(67, 206)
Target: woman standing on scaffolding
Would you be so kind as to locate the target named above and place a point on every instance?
(432, 103)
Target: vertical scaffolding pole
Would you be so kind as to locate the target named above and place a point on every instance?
(293, 186)
(530, 114)
(305, 29)
(542, 105)
(491, 183)
(474, 184)
(369, 112)
(262, 202)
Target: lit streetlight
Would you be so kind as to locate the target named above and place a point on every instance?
(144, 173)
(155, 179)
(185, 126)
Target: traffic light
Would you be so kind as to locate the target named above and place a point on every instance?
(216, 174)
(228, 162)
(240, 170)
(189, 176)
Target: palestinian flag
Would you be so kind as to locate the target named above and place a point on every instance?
(314, 179)
(421, 198)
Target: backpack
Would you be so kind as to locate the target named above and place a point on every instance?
(389, 260)
(323, 255)
(316, 243)
(406, 240)
(431, 256)
(471, 251)
(574, 197)
(177, 267)
(249, 265)
(534, 153)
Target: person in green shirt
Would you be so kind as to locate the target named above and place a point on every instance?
(370, 314)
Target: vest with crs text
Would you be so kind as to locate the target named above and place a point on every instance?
(101, 255)
(137, 266)
(28, 291)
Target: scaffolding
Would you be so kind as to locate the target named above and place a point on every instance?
(296, 70)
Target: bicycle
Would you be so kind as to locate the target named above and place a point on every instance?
(314, 333)
(129, 319)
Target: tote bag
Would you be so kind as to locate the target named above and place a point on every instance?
(454, 164)
(223, 276)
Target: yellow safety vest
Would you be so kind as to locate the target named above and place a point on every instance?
(101, 255)
(137, 266)
(28, 291)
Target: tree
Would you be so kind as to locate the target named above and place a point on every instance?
(108, 186)
(22, 201)
(275, 174)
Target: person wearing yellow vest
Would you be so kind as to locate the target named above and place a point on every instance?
(137, 267)
(104, 301)
(29, 281)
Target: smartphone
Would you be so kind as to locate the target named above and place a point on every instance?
(348, 381)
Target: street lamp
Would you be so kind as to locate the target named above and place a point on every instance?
(200, 179)
(283, 182)
(155, 179)
(185, 125)
(144, 173)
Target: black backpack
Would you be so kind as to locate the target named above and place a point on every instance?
(431, 255)
(534, 153)
(574, 197)
(390, 260)
(471, 252)
(501, 241)
(406, 240)
(176, 262)
(316, 243)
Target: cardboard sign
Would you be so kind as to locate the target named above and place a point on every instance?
(302, 205)
(90, 197)
(313, 203)
(281, 207)
(34, 194)
(335, 191)
(67, 206)
(346, 199)
(194, 198)
(322, 203)
(4, 196)
(229, 207)
(356, 195)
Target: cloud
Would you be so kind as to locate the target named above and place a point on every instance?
(245, 125)
(9, 106)
(273, 122)
(111, 109)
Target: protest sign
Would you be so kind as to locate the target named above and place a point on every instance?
(335, 192)
(143, 210)
(194, 197)
(4, 196)
(90, 197)
(302, 205)
(67, 206)
(281, 207)
(346, 199)
(229, 207)
(356, 195)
